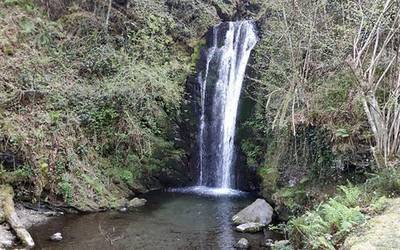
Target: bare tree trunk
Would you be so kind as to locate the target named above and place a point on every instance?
(108, 13)
(372, 62)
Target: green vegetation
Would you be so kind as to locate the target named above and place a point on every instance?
(328, 224)
(311, 130)
(89, 103)
(95, 101)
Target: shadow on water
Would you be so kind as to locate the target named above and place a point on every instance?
(168, 221)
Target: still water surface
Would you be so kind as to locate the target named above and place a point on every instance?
(169, 220)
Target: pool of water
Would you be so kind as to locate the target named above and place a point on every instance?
(170, 220)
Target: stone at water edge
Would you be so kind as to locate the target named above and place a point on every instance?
(259, 212)
(56, 237)
(251, 227)
(137, 202)
(269, 242)
(280, 244)
(7, 239)
(242, 244)
(122, 209)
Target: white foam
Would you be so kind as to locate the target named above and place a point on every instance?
(210, 191)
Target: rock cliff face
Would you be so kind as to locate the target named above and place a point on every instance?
(246, 177)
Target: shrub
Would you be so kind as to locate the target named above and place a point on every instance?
(329, 223)
(351, 195)
(386, 182)
(65, 188)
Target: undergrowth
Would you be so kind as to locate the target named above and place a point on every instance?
(327, 225)
(88, 111)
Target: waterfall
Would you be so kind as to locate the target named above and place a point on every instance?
(220, 82)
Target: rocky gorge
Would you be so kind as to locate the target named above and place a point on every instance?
(272, 117)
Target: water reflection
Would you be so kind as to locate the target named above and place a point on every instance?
(169, 221)
(225, 235)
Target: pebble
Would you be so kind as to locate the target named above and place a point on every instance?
(56, 237)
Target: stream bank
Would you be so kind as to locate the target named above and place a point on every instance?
(381, 232)
(27, 218)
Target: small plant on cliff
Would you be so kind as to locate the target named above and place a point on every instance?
(66, 189)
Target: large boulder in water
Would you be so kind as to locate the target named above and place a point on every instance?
(258, 212)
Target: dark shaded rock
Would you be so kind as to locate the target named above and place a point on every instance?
(268, 243)
(242, 244)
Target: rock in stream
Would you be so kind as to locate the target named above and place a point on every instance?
(243, 243)
(250, 227)
(136, 202)
(258, 212)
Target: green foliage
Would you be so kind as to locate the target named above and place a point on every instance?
(340, 217)
(330, 223)
(287, 247)
(307, 120)
(94, 183)
(26, 4)
(269, 175)
(327, 225)
(19, 175)
(379, 204)
(196, 53)
(192, 18)
(313, 228)
(385, 182)
(27, 26)
(333, 93)
(342, 132)
(293, 198)
(351, 196)
(253, 153)
(100, 61)
(102, 118)
(55, 117)
(66, 189)
(100, 103)
(126, 176)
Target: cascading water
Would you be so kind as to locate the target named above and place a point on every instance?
(220, 80)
